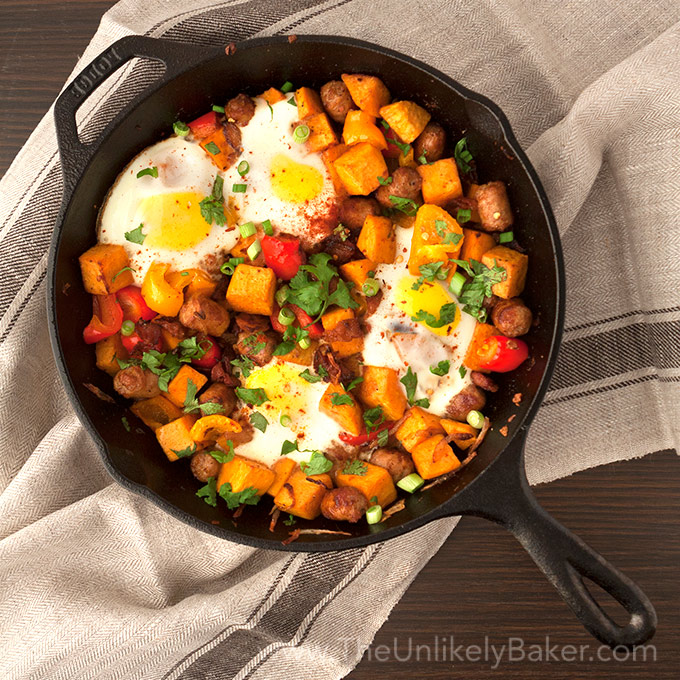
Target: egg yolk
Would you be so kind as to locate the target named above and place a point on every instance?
(286, 390)
(173, 221)
(430, 297)
(294, 182)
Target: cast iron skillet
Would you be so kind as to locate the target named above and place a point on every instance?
(494, 485)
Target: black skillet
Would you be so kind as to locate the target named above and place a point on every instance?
(494, 485)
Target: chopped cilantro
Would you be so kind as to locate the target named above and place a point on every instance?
(152, 172)
(290, 521)
(135, 236)
(243, 364)
(288, 447)
(374, 418)
(221, 456)
(310, 377)
(444, 233)
(209, 492)
(385, 181)
(212, 207)
(248, 496)
(256, 396)
(406, 205)
(317, 465)
(442, 368)
(410, 382)
(355, 467)
(447, 313)
(383, 436)
(479, 287)
(189, 451)
(462, 371)
(212, 148)
(354, 383)
(463, 156)
(258, 421)
(338, 399)
(126, 425)
(430, 272)
(124, 269)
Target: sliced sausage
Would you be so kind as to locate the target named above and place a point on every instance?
(493, 206)
(232, 134)
(406, 183)
(136, 382)
(203, 314)
(342, 251)
(372, 303)
(252, 323)
(354, 210)
(219, 393)
(258, 347)
(344, 331)
(334, 370)
(470, 398)
(344, 504)
(337, 100)
(512, 317)
(172, 326)
(483, 381)
(398, 463)
(204, 466)
(221, 373)
(240, 109)
(149, 338)
(430, 143)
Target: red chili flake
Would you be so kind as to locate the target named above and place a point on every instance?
(504, 430)
(512, 417)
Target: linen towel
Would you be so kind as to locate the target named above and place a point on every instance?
(96, 582)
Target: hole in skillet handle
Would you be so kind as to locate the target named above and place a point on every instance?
(502, 494)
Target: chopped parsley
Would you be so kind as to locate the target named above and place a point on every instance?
(406, 205)
(290, 521)
(444, 233)
(243, 364)
(212, 207)
(126, 425)
(354, 383)
(463, 156)
(442, 368)
(135, 236)
(221, 456)
(385, 181)
(447, 313)
(212, 148)
(255, 397)
(410, 382)
(310, 377)
(189, 451)
(374, 418)
(430, 272)
(248, 496)
(288, 447)
(462, 371)
(258, 421)
(338, 399)
(317, 465)
(191, 402)
(209, 492)
(479, 287)
(355, 467)
(152, 172)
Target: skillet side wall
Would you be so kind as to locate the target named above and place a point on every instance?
(134, 459)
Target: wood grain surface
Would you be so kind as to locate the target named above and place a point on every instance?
(481, 588)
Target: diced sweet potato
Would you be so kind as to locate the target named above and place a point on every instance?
(252, 290)
(407, 119)
(102, 269)
(308, 102)
(177, 387)
(272, 95)
(108, 351)
(418, 425)
(479, 336)
(329, 156)
(475, 244)
(301, 495)
(368, 92)
(171, 341)
(376, 482)
(453, 426)
(297, 355)
(515, 265)
(381, 387)
(175, 436)
(156, 411)
(219, 150)
(408, 160)
(360, 127)
(359, 168)
(343, 348)
(431, 228)
(200, 283)
(441, 182)
(377, 240)
(357, 272)
(321, 133)
(434, 457)
(243, 473)
(283, 468)
(348, 416)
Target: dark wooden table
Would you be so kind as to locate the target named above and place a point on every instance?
(481, 585)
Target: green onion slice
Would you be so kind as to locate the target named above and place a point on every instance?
(218, 109)
(247, 229)
(243, 168)
(457, 283)
(463, 216)
(374, 514)
(506, 237)
(285, 420)
(282, 295)
(411, 482)
(180, 128)
(267, 228)
(286, 316)
(305, 343)
(370, 287)
(230, 265)
(128, 328)
(301, 133)
(286, 87)
(239, 188)
(254, 249)
(475, 419)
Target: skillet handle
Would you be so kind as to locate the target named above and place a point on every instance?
(502, 494)
(75, 154)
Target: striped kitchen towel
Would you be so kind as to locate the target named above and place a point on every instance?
(96, 582)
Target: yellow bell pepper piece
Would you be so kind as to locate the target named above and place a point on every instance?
(158, 293)
(209, 428)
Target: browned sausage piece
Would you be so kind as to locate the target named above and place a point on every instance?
(219, 393)
(493, 207)
(334, 369)
(372, 303)
(221, 373)
(204, 466)
(149, 338)
(337, 100)
(398, 463)
(250, 323)
(136, 382)
(344, 504)
(354, 210)
(484, 381)
(240, 109)
(205, 315)
(406, 183)
(342, 251)
(233, 135)
(430, 142)
(470, 398)
(258, 347)
(172, 326)
(512, 317)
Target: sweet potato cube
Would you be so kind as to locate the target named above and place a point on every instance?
(432, 227)
(252, 290)
(243, 473)
(337, 317)
(177, 387)
(357, 272)
(359, 168)
(175, 436)
(418, 425)
(272, 95)
(434, 457)
(283, 468)
(169, 340)
(377, 240)
(219, 150)
(479, 336)
(376, 481)
(301, 495)
(515, 265)
(381, 387)
(441, 182)
(347, 415)
(475, 244)
(360, 127)
(201, 283)
(102, 269)
(321, 133)
(408, 160)
(407, 119)
(308, 102)
(156, 412)
(368, 92)
(329, 156)
(454, 427)
(108, 351)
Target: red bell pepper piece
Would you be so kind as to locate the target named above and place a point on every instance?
(392, 150)
(205, 125)
(133, 304)
(501, 354)
(212, 355)
(130, 342)
(305, 321)
(283, 255)
(360, 439)
(107, 318)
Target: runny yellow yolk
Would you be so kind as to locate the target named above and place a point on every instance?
(430, 297)
(173, 221)
(286, 390)
(294, 182)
